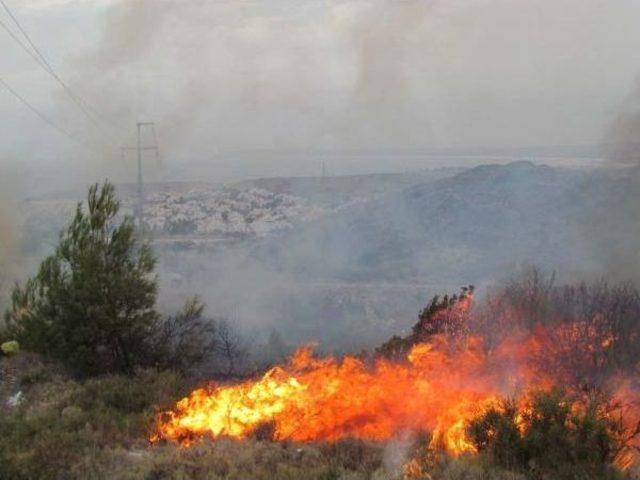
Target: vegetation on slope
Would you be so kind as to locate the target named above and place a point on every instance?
(99, 362)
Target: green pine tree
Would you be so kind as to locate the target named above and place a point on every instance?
(91, 304)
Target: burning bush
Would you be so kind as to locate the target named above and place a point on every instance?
(448, 316)
(331, 418)
(588, 332)
(451, 379)
(553, 434)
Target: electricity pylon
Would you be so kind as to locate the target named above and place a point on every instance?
(138, 210)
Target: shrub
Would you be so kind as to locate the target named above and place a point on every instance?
(186, 339)
(126, 395)
(448, 316)
(442, 316)
(496, 434)
(555, 434)
(591, 329)
(68, 430)
(10, 347)
(353, 454)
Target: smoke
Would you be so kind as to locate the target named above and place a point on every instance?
(220, 76)
(622, 137)
(396, 452)
(610, 230)
(7, 231)
(9, 235)
(223, 77)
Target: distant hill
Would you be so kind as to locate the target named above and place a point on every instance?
(471, 227)
(203, 214)
(340, 191)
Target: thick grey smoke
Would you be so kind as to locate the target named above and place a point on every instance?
(609, 227)
(222, 77)
(622, 137)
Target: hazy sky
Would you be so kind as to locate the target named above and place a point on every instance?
(221, 76)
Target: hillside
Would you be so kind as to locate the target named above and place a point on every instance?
(473, 226)
(343, 191)
(201, 213)
(370, 266)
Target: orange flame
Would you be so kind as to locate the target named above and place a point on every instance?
(439, 388)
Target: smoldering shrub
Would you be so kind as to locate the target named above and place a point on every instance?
(588, 331)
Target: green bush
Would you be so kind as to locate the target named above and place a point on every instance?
(10, 347)
(560, 436)
(128, 395)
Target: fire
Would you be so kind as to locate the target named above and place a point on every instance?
(444, 381)
(438, 388)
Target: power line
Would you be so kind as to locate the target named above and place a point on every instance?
(41, 60)
(24, 47)
(41, 115)
(24, 33)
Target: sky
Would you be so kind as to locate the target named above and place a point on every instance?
(221, 77)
